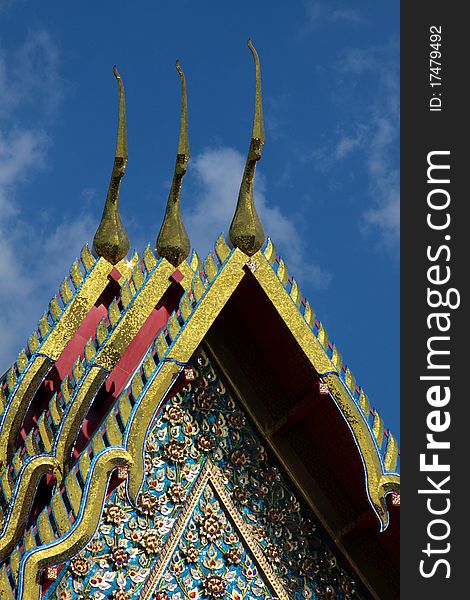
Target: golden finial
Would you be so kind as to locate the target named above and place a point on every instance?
(111, 241)
(173, 241)
(246, 231)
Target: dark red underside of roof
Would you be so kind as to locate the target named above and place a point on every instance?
(309, 422)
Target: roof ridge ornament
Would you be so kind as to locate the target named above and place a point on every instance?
(173, 241)
(111, 240)
(246, 231)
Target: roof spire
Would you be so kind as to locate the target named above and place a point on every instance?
(246, 231)
(173, 241)
(111, 241)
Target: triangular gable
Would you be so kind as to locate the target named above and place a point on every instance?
(213, 547)
(215, 518)
(212, 286)
(199, 309)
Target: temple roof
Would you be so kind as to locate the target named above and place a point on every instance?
(77, 405)
(80, 347)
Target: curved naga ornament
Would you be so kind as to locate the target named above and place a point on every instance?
(379, 482)
(173, 241)
(246, 230)
(111, 241)
(22, 500)
(79, 535)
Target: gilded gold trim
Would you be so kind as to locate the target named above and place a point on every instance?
(79, 404)
(74, 415)
(5, 589)
(50, 350)
(111, 241)
(246, 231)
(289, 313)
(17, 406)
(173, 241)
(194, 331)
(186, 342)
(137, 313)
(82, 530)
(378, 483)
(22, 499)
(77, 310)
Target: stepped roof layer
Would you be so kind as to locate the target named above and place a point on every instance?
(78, 402)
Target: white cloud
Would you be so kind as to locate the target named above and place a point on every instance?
(314, 12)
(33, 261)
(350, 15)
(20, 151)
(4, 4)
(384, 213)
(218, 173)
(373, 137)
(319, 13)
(30, 77)
(356, 61)
(32, 265)
(349, 142)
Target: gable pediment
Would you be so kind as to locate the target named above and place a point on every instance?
(216, 516)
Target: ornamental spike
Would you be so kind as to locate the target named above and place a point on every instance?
(173, 241)
(111, 241)
(246, 231)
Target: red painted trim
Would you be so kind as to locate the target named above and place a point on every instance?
(114, 384)
(177, 276)
(87, 328)
(115, 275)
(127, 364)
(63, 365)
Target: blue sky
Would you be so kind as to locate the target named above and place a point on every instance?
(327, 187)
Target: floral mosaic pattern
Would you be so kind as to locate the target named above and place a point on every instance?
(210, 560)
